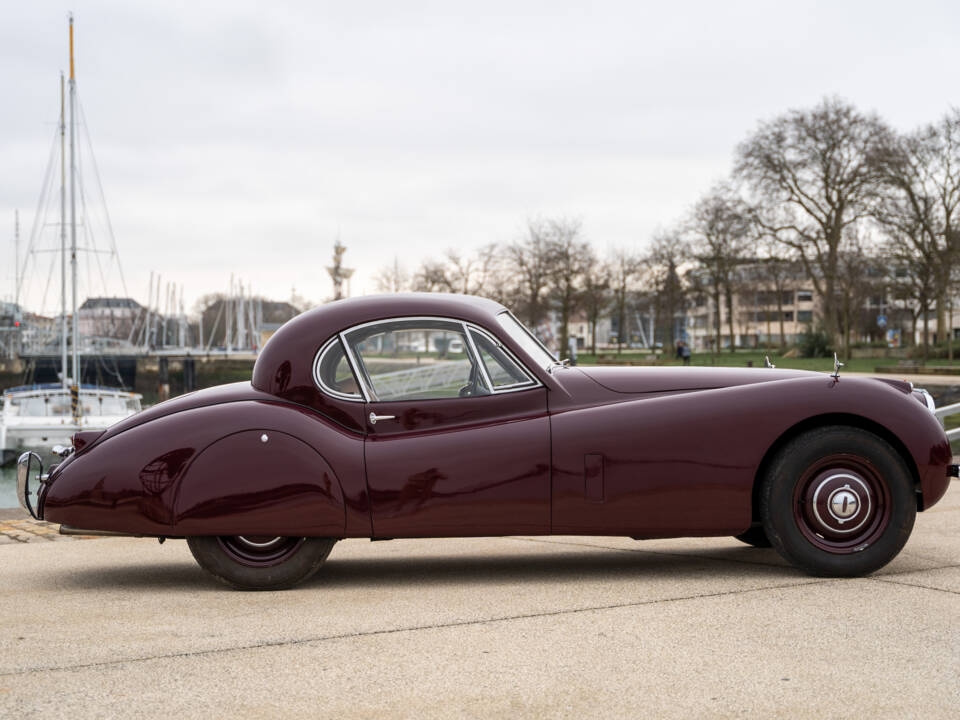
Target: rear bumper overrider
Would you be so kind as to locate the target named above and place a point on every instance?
(26, 464)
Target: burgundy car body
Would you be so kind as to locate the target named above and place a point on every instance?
(643, 452)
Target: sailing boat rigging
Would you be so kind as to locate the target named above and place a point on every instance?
(45, 415)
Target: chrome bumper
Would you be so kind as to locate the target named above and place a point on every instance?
(25, 466)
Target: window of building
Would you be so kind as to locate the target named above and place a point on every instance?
(804, 316)
(804, 296)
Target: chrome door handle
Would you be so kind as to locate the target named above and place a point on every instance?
(373, 417)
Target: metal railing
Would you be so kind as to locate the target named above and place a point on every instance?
(443, 375)
(942, 412)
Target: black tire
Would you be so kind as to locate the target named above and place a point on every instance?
(255, 563)
(754, 536)
(838, 501)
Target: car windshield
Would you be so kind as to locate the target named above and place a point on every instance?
(526, 339)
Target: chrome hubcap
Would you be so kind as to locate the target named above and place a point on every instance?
(260, 550)
(258, 542)
(841, 503)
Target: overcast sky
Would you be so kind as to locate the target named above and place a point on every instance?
(242, 137)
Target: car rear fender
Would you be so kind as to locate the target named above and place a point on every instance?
(208, 470)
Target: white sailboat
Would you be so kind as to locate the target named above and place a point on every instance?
(46, 415)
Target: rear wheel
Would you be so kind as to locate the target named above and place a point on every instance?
(838, 501)
(254, 562)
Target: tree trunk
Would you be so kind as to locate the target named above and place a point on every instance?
(941, 311)
(593, 331)
(621, 319)
(780, 315)
(729, 296)
(565, 324)
(925, 309)
(719, 324)
(766, 312)
(846, 331)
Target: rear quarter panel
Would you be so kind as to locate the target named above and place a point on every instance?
(206, 471)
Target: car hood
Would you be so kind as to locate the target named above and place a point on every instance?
(667, 379)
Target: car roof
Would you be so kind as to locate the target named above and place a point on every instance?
(296, 343)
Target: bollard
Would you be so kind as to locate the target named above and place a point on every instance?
(189, 375)
(75, 404)
(163, 379)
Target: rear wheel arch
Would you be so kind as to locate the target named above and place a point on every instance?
(818, 421)
(198, 470)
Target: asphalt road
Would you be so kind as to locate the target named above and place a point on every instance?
(485, 628)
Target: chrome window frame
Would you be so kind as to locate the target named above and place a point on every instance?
(532, 380)
(530, 334)
(368, 395)
(317, 360)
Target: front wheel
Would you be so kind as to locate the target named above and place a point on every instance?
(754, 536)
(253, 562)
(838, 501)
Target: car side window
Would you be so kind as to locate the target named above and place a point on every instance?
(416, 359)
(504, 372)
(334, 374)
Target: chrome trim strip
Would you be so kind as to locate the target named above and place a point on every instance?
(534, 337)
(476, 357)
(317, 360)
(355, 366)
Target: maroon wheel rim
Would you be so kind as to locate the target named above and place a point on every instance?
(842, 504)
(259, 550)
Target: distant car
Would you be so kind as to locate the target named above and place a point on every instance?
(341, 435)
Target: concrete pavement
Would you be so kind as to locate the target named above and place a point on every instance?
(519, 627)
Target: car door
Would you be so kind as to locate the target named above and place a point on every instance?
(458, 436)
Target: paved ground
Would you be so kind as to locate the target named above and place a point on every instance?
(518, 627)
(16, 526)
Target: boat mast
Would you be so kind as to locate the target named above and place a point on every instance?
(73, 212)
(63, 239)
(16, 256)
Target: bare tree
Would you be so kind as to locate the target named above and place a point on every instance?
(596, 293)
(569, 258)
(914, 270)
(778, 266)
(432, 277)
(921, 204)
(392, 278)
(854, 268)
(812, 175)
(470, 273)
(719, 225)
(662, 263)
(531, 255)
(624, 267)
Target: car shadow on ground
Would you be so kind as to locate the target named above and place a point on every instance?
(399, 571)
(523, 568)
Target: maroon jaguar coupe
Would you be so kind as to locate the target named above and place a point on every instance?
(440, 415)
